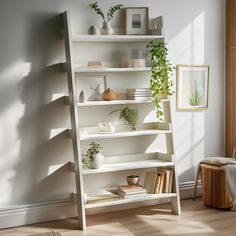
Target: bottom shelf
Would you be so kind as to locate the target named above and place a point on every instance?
(130, 200)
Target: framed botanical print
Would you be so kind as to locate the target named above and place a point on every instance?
(192, 87)
(136, 20)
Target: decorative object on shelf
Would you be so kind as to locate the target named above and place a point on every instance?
(137, 58)
(158, 26)
(93, 30)
(94, 64)
(96, 95)
(92, 85)
(131, 191)
(93, 158)
(106, 27)
(82, 97)
(128, 115)
(109, 95)
(160, 82)
(132, 179)
(139, 94)
(106, 127)
(192, 87)
(136, 20)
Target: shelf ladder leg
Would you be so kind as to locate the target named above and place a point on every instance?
(74, 123)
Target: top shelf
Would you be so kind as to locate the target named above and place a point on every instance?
(115, 38)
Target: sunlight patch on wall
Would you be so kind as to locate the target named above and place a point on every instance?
(188, 46)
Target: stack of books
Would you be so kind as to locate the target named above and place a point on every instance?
(159, 181)
(131, 191)
(99, 195)
(138, 94)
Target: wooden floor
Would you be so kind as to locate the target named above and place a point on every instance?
(196, 219)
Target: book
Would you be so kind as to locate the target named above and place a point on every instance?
(131, 189)
(139, 98)
(150, 181)
(160, 181)
(138, 93)
(98, 195)
(137, 90)
(123, 195)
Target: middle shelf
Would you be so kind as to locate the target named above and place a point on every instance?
(123, 134)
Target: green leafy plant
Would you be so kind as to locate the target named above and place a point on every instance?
(128, 115)
(160, 83)
(110, 12)
(93, 150)
(196, 97)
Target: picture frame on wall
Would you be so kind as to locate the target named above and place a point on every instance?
(192, 87)
(136, 20)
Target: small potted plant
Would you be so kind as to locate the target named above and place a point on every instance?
(106, 27)
(93, 158)
(132, 179)
(128, 115)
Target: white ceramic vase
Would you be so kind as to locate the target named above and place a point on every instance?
(96, 161)
(106, 28)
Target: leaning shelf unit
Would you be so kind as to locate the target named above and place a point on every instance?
(130, 162)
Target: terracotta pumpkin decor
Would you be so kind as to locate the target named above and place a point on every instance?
(109, 95)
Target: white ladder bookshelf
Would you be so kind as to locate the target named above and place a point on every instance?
(138, 161)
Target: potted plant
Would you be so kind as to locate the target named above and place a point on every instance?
(160, 83)
(132, 179)
(106, 27)
(93, 158)
(128, 115)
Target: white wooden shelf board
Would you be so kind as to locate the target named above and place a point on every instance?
(131, 200)
(124, 134)
(102, 69)
(114, 102)
(115, 38)
(128, 166)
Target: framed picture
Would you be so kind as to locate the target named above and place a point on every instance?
(136, 20)
(92, 86)
(192, 87)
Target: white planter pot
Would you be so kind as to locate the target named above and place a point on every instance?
(106, 28)
(96, 161)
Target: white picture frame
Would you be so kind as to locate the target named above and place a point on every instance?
(192, 87)
(136, 20)
(89, 83)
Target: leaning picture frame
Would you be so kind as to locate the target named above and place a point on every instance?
(92, 85)
(136, 22)
(192, 87)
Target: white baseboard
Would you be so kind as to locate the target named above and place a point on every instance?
(65, 208)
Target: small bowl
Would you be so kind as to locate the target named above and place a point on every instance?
(132, 179)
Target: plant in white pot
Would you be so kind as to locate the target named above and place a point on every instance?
(106, 27)
(93, 158)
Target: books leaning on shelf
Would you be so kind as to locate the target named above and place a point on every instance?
(159, 181)
(131, 191)
(138, 94)
(99, 195)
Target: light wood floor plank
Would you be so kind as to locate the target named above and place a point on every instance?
(196, 220)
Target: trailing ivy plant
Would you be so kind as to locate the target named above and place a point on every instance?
(110, 12)
(93, 150)
(128, 115)
(160, 83)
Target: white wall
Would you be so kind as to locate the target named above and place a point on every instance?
(194, 32)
